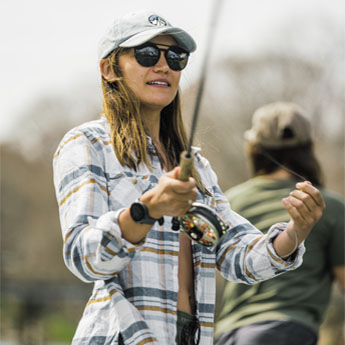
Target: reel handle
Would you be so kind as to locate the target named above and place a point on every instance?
(186, 164)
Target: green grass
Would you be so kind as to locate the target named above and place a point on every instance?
(58, 328)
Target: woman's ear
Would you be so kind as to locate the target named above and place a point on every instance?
(106, 70)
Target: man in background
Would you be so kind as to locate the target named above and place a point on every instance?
(290, 308)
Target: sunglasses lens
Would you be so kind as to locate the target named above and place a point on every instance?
(177, 58)
(147, 56)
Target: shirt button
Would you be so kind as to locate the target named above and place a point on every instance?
(134, 180)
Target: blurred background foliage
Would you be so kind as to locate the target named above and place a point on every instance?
(41, 301)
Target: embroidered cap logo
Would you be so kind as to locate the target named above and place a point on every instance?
(157, 20)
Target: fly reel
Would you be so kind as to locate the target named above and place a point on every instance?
(201, 224)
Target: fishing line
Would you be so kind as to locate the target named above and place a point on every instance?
(267, 155)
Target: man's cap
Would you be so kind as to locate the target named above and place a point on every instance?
(137, 28)
(279, 125)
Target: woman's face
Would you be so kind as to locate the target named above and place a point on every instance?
(155, 86)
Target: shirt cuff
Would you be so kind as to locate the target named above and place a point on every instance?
(291, 262)
(109, 223)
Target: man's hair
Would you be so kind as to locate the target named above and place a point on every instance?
(300, 160)
(122, 110)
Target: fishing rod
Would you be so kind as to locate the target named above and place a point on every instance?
(200, 223)
(186, 159)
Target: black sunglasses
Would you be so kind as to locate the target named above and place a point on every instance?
(148, 55)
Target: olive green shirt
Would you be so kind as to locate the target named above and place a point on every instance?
(301, 295)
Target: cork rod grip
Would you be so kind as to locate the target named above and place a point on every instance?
(186, 164)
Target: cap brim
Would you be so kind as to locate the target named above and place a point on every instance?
(183, 39)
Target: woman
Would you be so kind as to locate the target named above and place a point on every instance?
(117, 189)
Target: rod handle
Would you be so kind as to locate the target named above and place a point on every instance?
(186, 164)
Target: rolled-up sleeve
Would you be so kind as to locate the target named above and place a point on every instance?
(93, 245)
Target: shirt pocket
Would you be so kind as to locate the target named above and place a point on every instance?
(125, 187)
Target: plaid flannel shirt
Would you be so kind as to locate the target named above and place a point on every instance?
(136, 286)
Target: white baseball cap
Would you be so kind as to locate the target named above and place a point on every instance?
(136, 28)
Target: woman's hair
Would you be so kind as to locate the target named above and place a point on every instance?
(298, 160)
(122, 110)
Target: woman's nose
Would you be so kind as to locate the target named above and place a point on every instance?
(162, 64)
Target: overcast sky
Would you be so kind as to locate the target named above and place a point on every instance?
(49, 45)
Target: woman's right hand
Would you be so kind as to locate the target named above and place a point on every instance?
(171, 196)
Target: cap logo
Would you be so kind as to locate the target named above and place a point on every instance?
(157, 20)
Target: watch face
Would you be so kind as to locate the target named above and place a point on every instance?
(137, 211)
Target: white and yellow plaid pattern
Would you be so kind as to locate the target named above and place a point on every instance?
(136, 286)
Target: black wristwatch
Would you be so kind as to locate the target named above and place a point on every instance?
(140, 214)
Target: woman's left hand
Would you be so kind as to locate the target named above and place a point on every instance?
(305, 206)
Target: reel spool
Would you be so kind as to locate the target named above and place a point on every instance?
(201, 224)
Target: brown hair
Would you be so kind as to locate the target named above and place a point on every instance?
(122, 110)
(299, 160)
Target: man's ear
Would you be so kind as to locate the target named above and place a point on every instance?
(106, 70)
